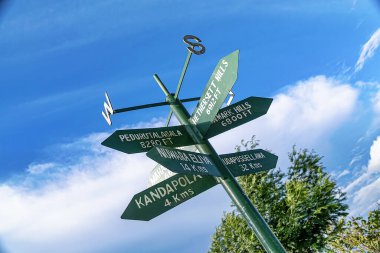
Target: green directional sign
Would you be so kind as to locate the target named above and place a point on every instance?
(197, 172)
(183, 162)
(216, 91)
(160, 173)
(166, 195)
(142, 140)
(249, 162)
(238, 114)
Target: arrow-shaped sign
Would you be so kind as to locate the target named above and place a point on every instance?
(166, 195)
(249, 162)
(142, 140)
(216, 91)
(198, 172)
(238, 114)
(183, 162)
(186, 162)
(160, 173)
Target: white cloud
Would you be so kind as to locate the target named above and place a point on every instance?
(372, 167)
(315, 104)
(358, 181)
(355, 159)
(78, 207)
(374, 162)
(40, 168)
(363, 84)
(368, 50)
(365, 190)
(305, 115)
(376, 103)
(343, 173)
(366, 198)
(70, 206)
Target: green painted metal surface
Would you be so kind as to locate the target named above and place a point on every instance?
(183, 162)
(160, 173)
(133, 108)
(238, 114)
(216, 91)
(142, 140)
(256, 222)
(179, 188)
(249, 162)
(179, 84)
(166, 195)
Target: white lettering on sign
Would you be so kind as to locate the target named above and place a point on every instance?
(173, 154)
(150, 135)
(182, 156)
(193, 167)
(250, 166)
(160, 173)
(223, 115)
(211, 94)
(164, 191)
(243, 158)
(197, 158)
(178, 197)
(236, 117)
(234, 114)
(152, 143)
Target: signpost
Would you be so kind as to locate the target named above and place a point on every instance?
(249, 162)
(184, 162)
(166, 195)
(216, 91)
(198, 172)
(238, 114)
(142, 140)
(160, 173)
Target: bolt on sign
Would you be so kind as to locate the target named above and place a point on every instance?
(182, 174)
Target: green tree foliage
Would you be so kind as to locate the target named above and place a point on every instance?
(303, 208)
(359, 234)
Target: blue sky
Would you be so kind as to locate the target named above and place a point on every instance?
(62, 191)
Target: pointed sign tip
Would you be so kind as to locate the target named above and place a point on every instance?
(106, 142)
(126, 217)
(234, 53)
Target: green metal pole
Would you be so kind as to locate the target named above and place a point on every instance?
(261, 229)
(183, 74)
(179, 84)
